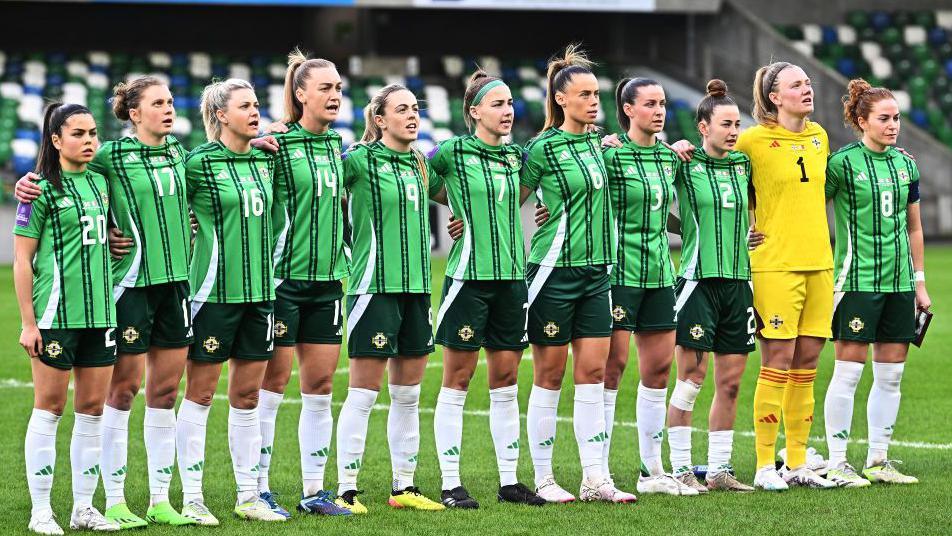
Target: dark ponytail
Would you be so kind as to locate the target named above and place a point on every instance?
(626, 92)
(560, 71)
(47, 162)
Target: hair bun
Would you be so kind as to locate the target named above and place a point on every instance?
(717, 88)
(857, 87)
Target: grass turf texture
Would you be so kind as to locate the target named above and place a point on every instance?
(926, 407)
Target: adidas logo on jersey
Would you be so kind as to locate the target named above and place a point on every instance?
(564, 155)
(472, 161)
(66, 202)
(630, 171)
(697, 169)
(223, 174)
(132, 158)
(297, 154)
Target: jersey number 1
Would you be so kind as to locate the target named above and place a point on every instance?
(803, 170)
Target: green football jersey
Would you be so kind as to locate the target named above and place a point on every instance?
(149, 205)
(870, 193)
(641, 184)
(307, 216)
(72, 285)
(482, 186)
(389, 218)
(231, 196)
(712, 201)
(568, 174)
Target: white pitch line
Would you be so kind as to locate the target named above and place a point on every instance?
(9, 383)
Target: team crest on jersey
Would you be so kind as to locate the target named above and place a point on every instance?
(465, 333)
(211, 344)
(54, 349)
(280, 329)
(856, 324)
(776, 321)
(105, 200)
(513, 161)
(379, 340)
(816, 143)
(263, 172)
(618, 313)
(739, 169)
(667, 170)
(903, 176)
(173, 152)
(130, 335)
(697, 332)
(551, 329)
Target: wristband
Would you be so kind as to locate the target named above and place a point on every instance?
(919, 276)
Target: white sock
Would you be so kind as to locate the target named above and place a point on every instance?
(352, 435)
(504, 426)
(609, 397)
(448, 431)
(589, 423)
(244, 443)
(403, 433)
(679, 441)
(650, 414)
(882, 408)
(838, 408)
(268, 403)
(720, 444)
(190, 447)
(84, 457)
(540, 428)
(159, 434)
(115, 452)
(315, 427)
(39, 450)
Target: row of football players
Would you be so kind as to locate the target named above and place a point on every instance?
(269, 257)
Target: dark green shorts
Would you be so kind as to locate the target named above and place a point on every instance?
(568, 303)
(875, 316)
(157, 315)
(643, 309)
(389, 325)
(716, 315)
(474, 314)
(68, 348)
(308, 312)
(239, 330)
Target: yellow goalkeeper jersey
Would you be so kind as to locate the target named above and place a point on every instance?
(789, 174)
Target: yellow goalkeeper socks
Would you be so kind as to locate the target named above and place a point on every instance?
(768, 398)
(798, 405)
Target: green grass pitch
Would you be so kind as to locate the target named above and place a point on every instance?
(923, 441)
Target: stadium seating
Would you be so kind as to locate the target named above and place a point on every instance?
(908, 52)
(27, 81)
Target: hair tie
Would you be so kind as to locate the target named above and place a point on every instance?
(485, 89)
